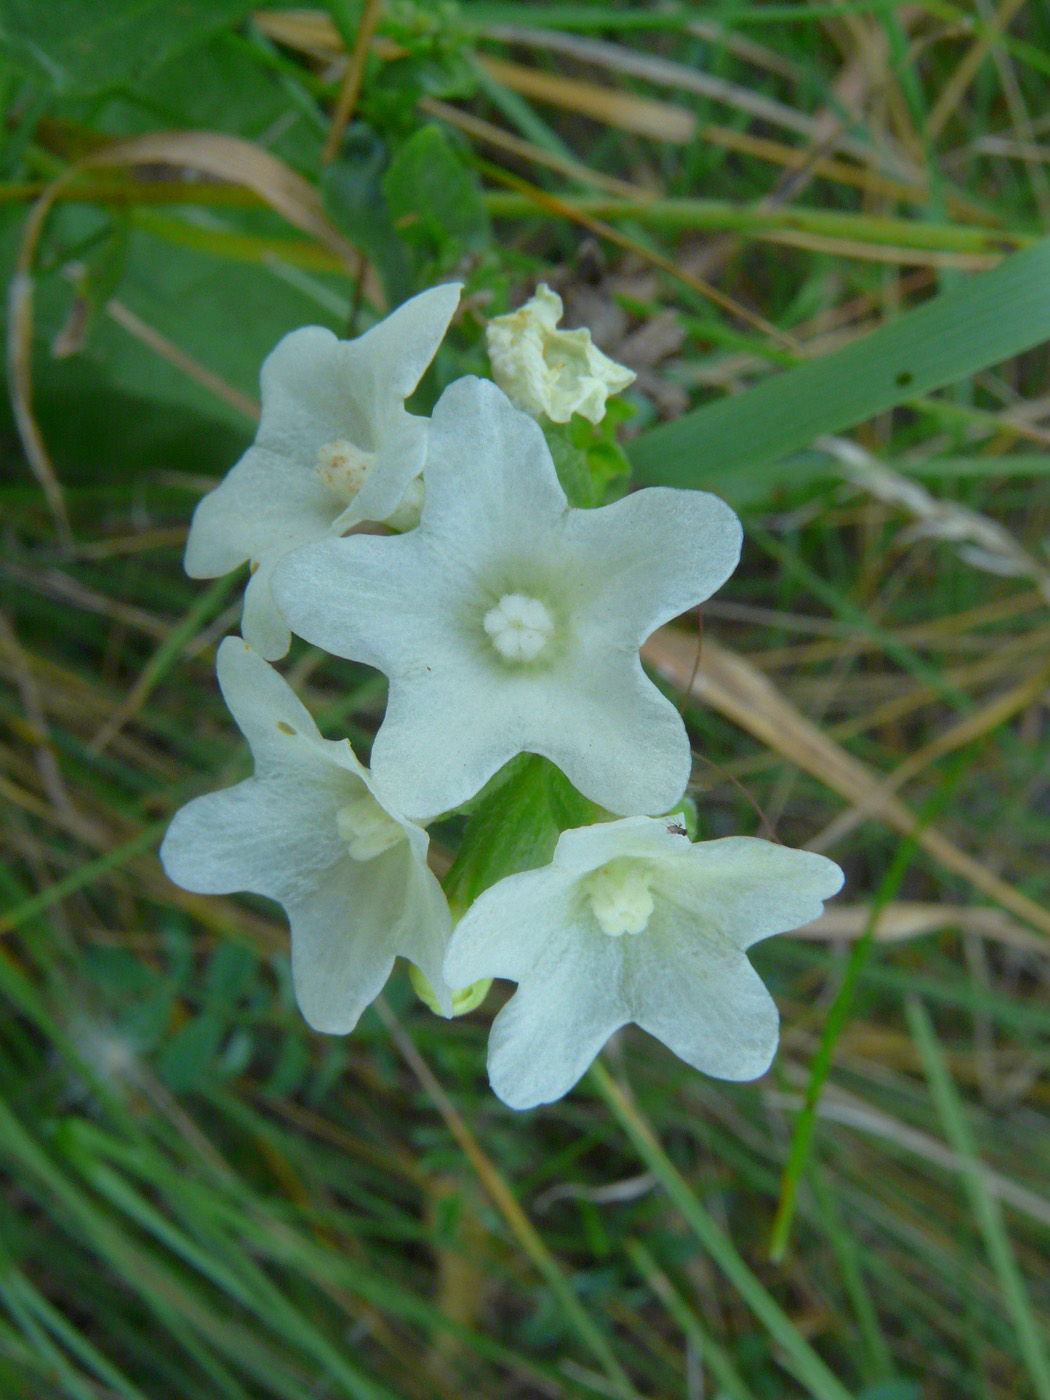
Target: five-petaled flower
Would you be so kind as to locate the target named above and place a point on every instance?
(508, 621)
(335, 447)
(633, 923)
(310, 831)
(550, 372)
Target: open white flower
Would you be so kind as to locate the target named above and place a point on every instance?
(309, 831)
(335, 447)
(508, 622)
(547, 371)
(633, 923)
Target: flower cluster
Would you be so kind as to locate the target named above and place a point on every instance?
(507, 622)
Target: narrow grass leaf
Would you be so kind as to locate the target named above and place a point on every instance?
(987, 1211)
(85, 874)
(980, 322)
(805, 1364)
(838, 1014)
(714, 1357)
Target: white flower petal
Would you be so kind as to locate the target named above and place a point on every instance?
(263, 507)
(342, 948)
(346, 934)
(262, 621)
(216, 844)
(672, 550)
(427, 756)
(401, 346)
(547, 1035)
(498, 549)
(586, 847)
(269, 713)
(616, 738)
(489, 475)
(699, 995)
(319, 394)
(488, 940)
(371, 598)
(751, 889)
(632, 922)
(281, 834)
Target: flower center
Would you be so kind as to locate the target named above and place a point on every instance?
(620, 897)
(343, 468)
(367, 830)
(519, 627)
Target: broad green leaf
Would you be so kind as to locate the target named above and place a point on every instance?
(219, 85)
(435, 201)
(515, 826)
(354, 197)
(88, 46)
(983, 320)
(513, 830)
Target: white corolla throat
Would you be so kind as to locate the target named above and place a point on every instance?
(519, 627)
(620, 897)
(366, 828)
(344, 468)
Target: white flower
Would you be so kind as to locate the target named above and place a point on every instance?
(335, 447)
(309, 831)
(632, 922)
(547, 371)
(507, 621)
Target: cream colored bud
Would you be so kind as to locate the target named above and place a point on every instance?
(547, 371)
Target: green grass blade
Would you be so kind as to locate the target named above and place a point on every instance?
(986, 1209)
(838, 1014)
(980, 322)
(85, 874)
(803, 1361)
(715, 1357)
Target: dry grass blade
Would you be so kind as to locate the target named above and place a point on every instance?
(491, 135)
(686, 78)
(985, 544)
(563, 209)
(236, 161)
(969, 729)
(739, 691)
(227, 158)
(314, 32)
(505, 1201)
(163, 347)
(643, 116)
(966, 70)
(903, 919)
(20, 388)
(350, 87)
(837, 1105)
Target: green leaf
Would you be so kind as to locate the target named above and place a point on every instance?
(435, 200)
(985, 1208)
(188, 1057)
(83, 46)
(513, 829)
(980, 322)
(588, 459)
(352, 187)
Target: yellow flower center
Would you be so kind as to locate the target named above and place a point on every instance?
(343, 468)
